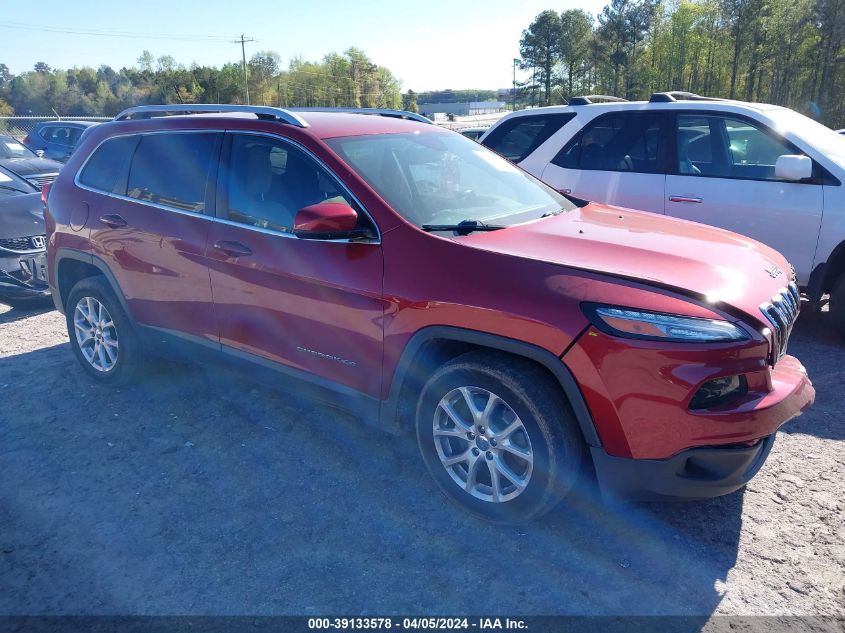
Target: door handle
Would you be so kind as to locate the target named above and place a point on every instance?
(233, 249)
(113, 220)
(686, 199)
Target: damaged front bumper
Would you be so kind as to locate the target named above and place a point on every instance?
(23, 275)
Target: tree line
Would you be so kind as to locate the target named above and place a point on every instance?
(787, 52)
(349, 79)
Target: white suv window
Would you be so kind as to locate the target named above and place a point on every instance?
(723, 147)
(518, 137)
(625, 141)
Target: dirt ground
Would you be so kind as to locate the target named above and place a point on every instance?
(196, 492)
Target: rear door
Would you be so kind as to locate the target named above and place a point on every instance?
(149, 222)
(618, 158)
(311, 305)
(723, 174)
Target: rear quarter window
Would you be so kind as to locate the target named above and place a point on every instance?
(106, 169)
(516, 138)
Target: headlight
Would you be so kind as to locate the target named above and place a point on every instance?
(658, 326)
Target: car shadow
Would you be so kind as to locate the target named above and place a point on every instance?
(195, 491)
(9, 314)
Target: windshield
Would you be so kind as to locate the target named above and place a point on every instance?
(10, 148)
(821, 137)
(444, 178)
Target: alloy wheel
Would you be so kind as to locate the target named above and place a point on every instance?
(483, 444)
(95, 333)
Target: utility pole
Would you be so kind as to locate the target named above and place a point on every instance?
(242, 41)
(513, 93)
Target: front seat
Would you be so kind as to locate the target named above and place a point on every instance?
(249, 194)
(685, 165)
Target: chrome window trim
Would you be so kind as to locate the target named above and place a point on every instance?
(227, 221)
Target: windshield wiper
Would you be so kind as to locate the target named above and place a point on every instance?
(464, 227)
(549, 214)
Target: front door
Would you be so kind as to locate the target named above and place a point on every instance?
(312, 305)
(724, 175)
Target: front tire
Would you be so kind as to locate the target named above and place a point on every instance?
(101, 334)
(498, 436)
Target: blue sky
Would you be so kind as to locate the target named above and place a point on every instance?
(430, 44)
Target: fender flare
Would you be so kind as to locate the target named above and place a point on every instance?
(542, 356)
(99, 264)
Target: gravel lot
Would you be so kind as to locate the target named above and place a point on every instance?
(200, 493)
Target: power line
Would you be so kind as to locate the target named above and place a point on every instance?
(125, 34)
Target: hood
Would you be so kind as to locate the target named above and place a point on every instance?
(30, 166)
(667, 252)
(21, 216)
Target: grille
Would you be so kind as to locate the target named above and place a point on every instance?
(24, 244)
(42, 179)
(782, 313)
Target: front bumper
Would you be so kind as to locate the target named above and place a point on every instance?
(18, 281)
(697, 473)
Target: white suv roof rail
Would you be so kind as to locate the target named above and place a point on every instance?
(396, 114)
(678, 95)
(262, 112)
(588, 99)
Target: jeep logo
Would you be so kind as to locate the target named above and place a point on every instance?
(774, 271)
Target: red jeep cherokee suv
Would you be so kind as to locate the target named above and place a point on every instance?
(411, 275)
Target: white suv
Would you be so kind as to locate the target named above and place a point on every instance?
(756, 169)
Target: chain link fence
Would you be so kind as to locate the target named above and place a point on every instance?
(19, 126)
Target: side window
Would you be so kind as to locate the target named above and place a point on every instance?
(617, 142)
(73, 136)
(106, 169)
(516, 138)
(61, 135)
(47, 132)
(268, 181)
(722, 147)
(173, 169)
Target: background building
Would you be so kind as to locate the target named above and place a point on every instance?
(467, 108)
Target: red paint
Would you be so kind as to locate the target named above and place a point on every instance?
(328, 217)
(292, 300)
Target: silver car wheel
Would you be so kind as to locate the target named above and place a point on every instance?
(95, 333)
(483, 444)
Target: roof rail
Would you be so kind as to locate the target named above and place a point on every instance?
(678, 95)
(588, 99)
(262, 112)
(397, 114)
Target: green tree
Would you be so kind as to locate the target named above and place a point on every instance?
(540, 48)
(576, 32)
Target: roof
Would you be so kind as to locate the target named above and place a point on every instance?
(70, 122)
(320, 122)
(647, 105)
(334, 124)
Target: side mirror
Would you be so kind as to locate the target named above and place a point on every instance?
(325, 220)
(792, 167)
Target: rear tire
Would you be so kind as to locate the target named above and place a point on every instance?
(498, 436)
(836, 304)
(101, 334)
